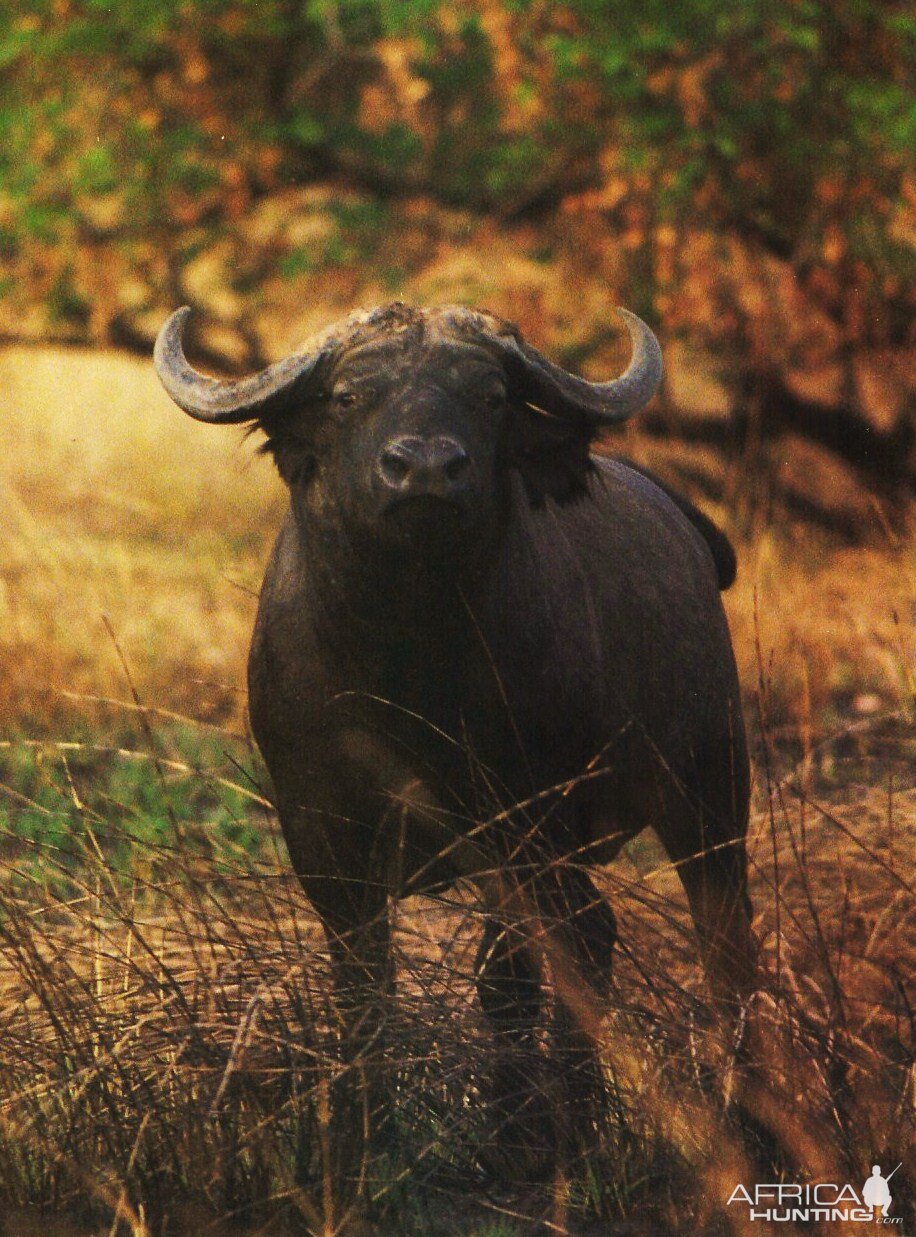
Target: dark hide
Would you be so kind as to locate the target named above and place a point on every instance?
(483, 652)
(720, 547)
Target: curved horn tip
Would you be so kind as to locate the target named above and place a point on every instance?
(643, 338)
(633, 320)
(170, 334)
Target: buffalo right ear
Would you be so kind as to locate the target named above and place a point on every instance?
(293, 456)
(550, 453)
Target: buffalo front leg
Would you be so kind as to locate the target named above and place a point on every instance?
(584, 930)
(508, 984)
(566, 926)
(352, 1108)
(509, 989)
(581, 934)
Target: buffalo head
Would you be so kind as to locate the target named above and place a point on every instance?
(398, 420)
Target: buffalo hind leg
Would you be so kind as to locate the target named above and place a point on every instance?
(585, 931)
(508, 983)
(715, 882)
(702, 827)
(716, 886)
(707, 843)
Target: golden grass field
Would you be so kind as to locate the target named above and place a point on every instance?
(114, 504)
(164, 1012)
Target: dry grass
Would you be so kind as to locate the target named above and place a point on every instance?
(169, 1046)
(168, 1032)
(115, 504)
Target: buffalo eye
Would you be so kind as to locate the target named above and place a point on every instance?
(495, 398)
(345, 398)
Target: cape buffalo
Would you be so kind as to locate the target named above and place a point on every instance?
(482, 651)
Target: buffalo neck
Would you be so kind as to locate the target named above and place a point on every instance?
(392, 595)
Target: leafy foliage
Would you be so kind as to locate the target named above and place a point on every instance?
(786, 122)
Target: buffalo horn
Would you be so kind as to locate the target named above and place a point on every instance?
(552, 389)
(226, 401)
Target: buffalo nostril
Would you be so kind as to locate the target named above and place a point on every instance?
(399, 461)
(395, 465)
(456, 461)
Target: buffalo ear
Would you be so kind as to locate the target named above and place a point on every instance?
(291, 453)
(551, 454)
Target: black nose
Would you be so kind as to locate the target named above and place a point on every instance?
(414, 466)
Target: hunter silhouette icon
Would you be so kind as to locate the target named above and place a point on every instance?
(876, 1192)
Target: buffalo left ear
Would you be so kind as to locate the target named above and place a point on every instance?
(551, 454)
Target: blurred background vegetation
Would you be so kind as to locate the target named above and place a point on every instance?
(738, 174)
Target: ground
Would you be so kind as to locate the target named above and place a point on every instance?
(166, 1018)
